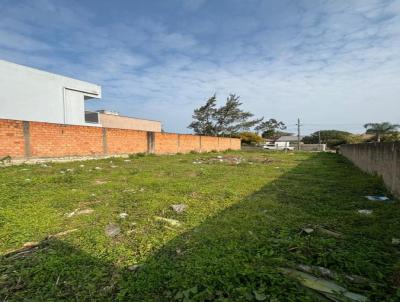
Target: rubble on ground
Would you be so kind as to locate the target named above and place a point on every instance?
(365, 212)
(112, 230)
(328, 289)
(79, 212)
(170, 221)
(179, 208)
(123, 215)
(232, 160)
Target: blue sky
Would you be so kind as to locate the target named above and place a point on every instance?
(334, 64)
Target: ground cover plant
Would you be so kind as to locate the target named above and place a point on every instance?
(195, 227)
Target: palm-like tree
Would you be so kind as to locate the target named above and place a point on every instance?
(380, 129)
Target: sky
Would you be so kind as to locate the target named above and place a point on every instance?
(335, 64)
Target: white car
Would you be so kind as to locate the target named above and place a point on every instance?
(277, 146)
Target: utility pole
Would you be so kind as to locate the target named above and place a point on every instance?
(298, 134)
(319, 137)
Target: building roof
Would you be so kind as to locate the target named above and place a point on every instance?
(288, 138)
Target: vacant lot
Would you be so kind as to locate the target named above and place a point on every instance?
(105, 230)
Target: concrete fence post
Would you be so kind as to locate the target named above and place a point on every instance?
(104, 139)
(27, 139)
(150, 142)
(200, 147)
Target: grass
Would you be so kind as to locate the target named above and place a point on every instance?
(242, 224)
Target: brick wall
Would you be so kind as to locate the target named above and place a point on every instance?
(21, 139)
(209, 143)
(166, 143)
(55, 140)
(188, 143)
(121, 141)
(12, 138)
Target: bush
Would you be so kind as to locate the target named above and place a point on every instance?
(250, 138)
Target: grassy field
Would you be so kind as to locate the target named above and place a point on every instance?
(244, 221)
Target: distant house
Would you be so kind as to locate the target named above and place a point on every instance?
(30, 94)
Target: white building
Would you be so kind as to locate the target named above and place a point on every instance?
(33, 95)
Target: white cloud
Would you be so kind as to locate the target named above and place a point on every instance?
(16, 41)
(327, 62)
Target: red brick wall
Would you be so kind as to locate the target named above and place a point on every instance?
(166, 143)
(11, 138)
(235, 144)
(224, 143)
(121, 141)
(189, 143)
(209, 143)
(56, 140)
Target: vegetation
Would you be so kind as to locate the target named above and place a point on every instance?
(332, 138)
(391, 137)
(271, 129)
(227, 120)
(382, 129)
(250, 138)
(244, 222)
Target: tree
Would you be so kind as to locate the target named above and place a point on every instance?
(392, 137)
(250, 138)
(381, 129)
(203, 118)
(332, 138)
(270, 129)
(227, 120)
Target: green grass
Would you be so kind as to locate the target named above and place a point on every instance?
(242, 224)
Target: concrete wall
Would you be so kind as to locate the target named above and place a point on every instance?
(34, 95)
(313, 147)
(23, 139)
(380, 158)
(124, 122)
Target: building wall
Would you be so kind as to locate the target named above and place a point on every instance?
(34, 95)
(377, 158)
(23, 139)
(123, 122)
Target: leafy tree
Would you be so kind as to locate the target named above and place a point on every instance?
(332, 138)
(381, 129)
(227, 120)
(275, 134)
(203, 118)
(391, 137)
(270, 129)
(250, 138)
